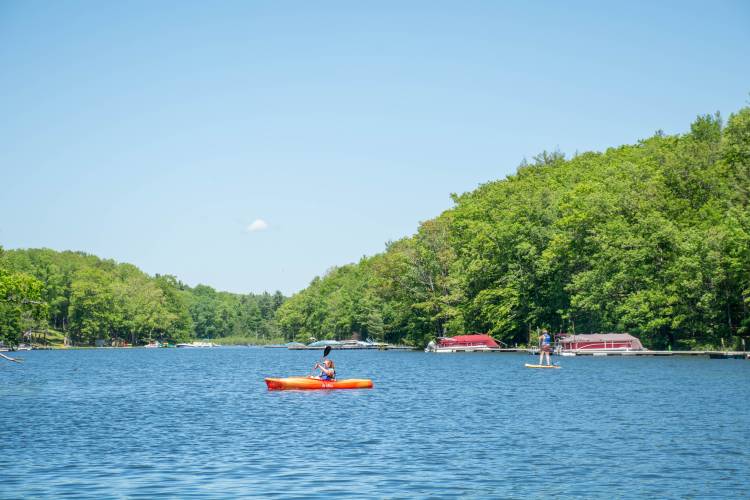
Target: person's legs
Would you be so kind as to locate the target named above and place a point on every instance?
(541, 354)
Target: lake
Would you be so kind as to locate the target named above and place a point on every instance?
(200, 423)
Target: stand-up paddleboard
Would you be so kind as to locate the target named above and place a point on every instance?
(527, 365)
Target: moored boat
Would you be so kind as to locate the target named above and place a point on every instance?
(311, 383)
(464, 343)
(322, 344)
(197, 344)
(288, 345)
(598, 343)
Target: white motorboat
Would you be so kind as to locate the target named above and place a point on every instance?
(198, 344)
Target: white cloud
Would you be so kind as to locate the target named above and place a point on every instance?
(257, 225)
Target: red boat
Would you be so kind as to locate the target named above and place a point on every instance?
(599, 343)
(464, 343)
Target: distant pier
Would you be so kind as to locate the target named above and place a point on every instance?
(710, 354)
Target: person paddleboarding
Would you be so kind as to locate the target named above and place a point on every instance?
(545, 346)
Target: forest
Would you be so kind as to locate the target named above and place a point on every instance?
(651, 238)
(85, 299)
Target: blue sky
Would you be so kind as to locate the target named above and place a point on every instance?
(156, 133)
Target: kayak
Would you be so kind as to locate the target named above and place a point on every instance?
(309, 383)
(541, 366)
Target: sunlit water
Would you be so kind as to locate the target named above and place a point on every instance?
(199, 423)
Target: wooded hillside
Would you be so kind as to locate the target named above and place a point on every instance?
(651, 238)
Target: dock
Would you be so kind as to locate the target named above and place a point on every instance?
(710, 354)
(375, 347)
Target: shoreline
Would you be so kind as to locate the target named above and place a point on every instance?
(712, 354)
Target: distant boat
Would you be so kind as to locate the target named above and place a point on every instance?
(288, 345)
(598, 343)
(198, 344)
(357, 344)
(464, 343)
(322, 344)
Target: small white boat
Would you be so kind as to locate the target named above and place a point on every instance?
(198, 344)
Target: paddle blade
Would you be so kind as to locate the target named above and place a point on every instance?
(326, 351)
(15, 360)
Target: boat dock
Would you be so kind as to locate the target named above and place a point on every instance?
(386, 347)
(710, 354)
(348, 347)
(645, 352)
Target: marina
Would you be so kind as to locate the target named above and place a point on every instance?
(645, 353)
(341, 345)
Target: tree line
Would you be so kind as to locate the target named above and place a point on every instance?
(651, 238)
(88, 299)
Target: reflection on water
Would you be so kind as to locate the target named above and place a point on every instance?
(200, 423)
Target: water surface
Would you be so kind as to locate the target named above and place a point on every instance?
(199, 423)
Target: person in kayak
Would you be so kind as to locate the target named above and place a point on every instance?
(545, 346)
(327, 370)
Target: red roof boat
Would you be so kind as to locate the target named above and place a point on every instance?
(464, 343)
(599, 342)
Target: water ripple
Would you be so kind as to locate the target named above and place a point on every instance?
(201, 424)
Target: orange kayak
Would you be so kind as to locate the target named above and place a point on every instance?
(308, 383)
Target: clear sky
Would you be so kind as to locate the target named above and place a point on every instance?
(160, 133)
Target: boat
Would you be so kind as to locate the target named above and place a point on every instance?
(198, 344)
(311, 383)
(322, 344)
(357, 344)
(288, 345)
(464, 343)
(598, 343)
(152, 345)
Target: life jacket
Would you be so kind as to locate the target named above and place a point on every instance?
(325, 376)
